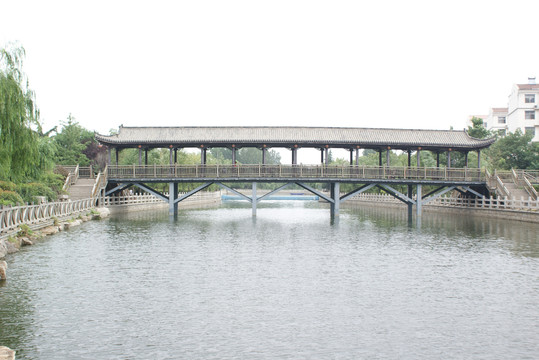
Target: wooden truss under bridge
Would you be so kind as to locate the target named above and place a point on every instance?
(465, 180)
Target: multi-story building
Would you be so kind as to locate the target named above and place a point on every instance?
(523, 110)
(521, 113)
(497, 120)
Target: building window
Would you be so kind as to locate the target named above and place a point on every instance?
(486, 125)
(501, 119)
(530, 130)
(529, 114)
(529, 98)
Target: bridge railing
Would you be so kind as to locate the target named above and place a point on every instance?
(293, 171)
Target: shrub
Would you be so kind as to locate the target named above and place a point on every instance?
(29, 191)
(10, 198)
(6, 185)
(60, 170)
(54, 181)
(25, 230)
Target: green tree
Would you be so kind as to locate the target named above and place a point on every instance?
(478, 130)
(245, 156)
(71, 142)
(18, 115)
(514, 151)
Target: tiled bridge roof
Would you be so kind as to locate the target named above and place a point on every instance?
(224, 136)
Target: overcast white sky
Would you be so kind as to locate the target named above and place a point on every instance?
(410, 64)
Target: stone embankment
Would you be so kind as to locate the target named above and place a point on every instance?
(129, 203)
(26, 237)
(6, 353)
(526, 210)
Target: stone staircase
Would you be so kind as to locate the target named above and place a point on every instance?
(516, 191)
(82, 189)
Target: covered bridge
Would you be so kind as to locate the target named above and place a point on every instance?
(294, 138)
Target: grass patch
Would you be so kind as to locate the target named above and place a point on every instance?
(25, 230)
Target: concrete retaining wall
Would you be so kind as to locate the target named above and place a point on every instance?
(515, 215)
(189, 203)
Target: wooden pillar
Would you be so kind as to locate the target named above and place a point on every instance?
(326, 155)
(449, 158)
(322, 156)
(202, 155)
(409, 158)
(109, 158)
(175, 156)
(437, 159)
(233, 155)
(357, 156)
(466, 159)
(388, 152)
(351, 157)
(140, 156)
(117, 156)
(379, 157)
(146, 156)
(294, 156)
(263, 156)
(418, 152)
(171, 156)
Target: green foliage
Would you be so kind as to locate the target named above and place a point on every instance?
(71, 142)
(478, 130)
(244, 156)
(7, 185)
(10, 198)
(29, 192)
(53, 181)
(46, 154)
(514, 151)
(24, 230)
(19, 147)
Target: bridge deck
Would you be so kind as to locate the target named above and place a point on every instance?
(291, 173)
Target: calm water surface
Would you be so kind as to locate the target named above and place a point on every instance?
(217, 284)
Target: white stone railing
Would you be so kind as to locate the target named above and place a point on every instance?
(13, 217)
(71, 178)
(480, 203)
(150, 199)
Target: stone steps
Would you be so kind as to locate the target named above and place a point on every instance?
(82, 189)
(516, 191)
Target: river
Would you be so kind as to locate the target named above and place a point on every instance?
(289, 284)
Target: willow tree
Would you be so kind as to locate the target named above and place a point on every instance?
(18, 115)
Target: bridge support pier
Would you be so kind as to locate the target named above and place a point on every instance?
(172, 196)
(253, 199)
(409, 204)
(335, 195)
(419, 201)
